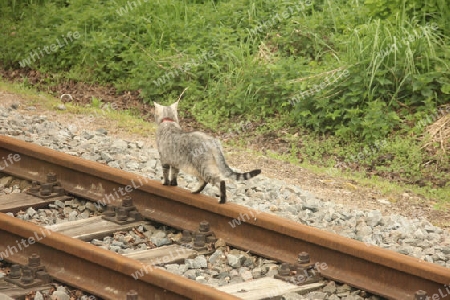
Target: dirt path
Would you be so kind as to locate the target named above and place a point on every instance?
(324, 186)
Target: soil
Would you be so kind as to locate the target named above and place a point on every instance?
(325, 186)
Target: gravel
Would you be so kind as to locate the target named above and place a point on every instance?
(415, 237)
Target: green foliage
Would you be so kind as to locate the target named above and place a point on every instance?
(249, 59)
(392, 66)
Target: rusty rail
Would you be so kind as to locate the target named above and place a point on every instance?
(93, 269)
(382, 272)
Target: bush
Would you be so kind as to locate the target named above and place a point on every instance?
(315, 64)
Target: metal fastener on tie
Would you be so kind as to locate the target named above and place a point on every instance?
(122, 214)
(199, 240)
(46, 189)
(51, 177)
(285, 270)
(27, 275)
(127, 201)
(34, 187)
(34, 260)
(303, 258)
(420, 295)
(186, 237)
(15, 272)
(204, 226)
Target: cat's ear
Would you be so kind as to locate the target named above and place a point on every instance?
(175, 105)
(156, 104)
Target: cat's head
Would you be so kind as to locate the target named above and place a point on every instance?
(166, 113)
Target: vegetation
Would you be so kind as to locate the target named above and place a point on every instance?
(346, 74)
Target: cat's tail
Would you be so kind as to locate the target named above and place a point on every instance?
(227, 171)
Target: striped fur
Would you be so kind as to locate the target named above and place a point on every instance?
(195, 153)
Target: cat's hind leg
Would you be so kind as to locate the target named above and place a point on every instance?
(173, 176)
(201, 185)
(223, 192)
(220, 183)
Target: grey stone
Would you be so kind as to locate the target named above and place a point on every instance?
(119, 145)
(216, 256)
(6, 180)
(373, 218)
(196, 263)
(246, 275)
(160, 241)
(91, 206)
(59, 295)
(174, 268)
(343, 288)
(106, 156)
(330, 288)
(446, 250)
(257, 272)
(102, 131)
(97, 242)
(317, 295)
(68, 210)
(38, 296)
(115, 248)
(363, 232)
(31, 212)
(59, 203)
(235, 261)
(407, 250)
(87, 135)
(311, 204)
(190, 274)
(73, 215)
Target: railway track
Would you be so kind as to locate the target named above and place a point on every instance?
(381, 272)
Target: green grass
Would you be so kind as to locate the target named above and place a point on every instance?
(397, 67)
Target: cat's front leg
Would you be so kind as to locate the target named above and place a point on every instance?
(173, 176)
(166, 170)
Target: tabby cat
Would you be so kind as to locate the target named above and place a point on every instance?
(195, 153)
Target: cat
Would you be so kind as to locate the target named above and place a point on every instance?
(195, 153)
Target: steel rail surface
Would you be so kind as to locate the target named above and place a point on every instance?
(380, 271)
